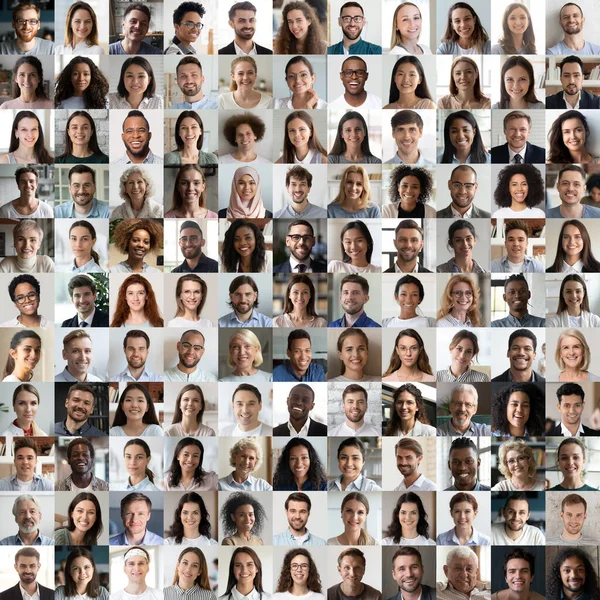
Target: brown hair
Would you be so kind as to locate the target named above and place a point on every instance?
(150, 309)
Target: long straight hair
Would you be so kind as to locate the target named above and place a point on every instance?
(422, 90)
(477, 85)
(590, 264)
(517, 61)
(15, 342)
(39, 149)
(479, 37)
(477, 153)
(506, 41)
(585, 303)
(139, 442)
(289, 152)
(232, 581)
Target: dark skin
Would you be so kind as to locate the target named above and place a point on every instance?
(463, 464)
(516, 295)
(82, 466)
(300, 402)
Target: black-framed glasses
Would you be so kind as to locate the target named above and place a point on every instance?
(21, 22)
(192, 25)
(348, 73)
(347, 20)
(27, 297)
(305, 238)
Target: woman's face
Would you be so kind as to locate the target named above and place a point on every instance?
(244, 518)
(355, 245)
(81, 24)
(136, 460)
(27, 78)
(518, 188)
(139, 244)
(82, 571)
(406, 406)
(354, 353)
(298, 24)
(136, 80)
(408, 23)
(350, 462)
(517, 463)
(462, 295)
(81, 241)
(462, 135)
(136, 296)
(409, 189)
(571, 352)
(243, 353)
(191, 186)
(246, 187)
(245, 461)
(409, 297)
(84, 516)
(573, 294)
(191, 516)
(300, 296)
(518, 22)
(189, 458)
(190, 132)
(463, 22)
(518, 409)
(188, 568)
(464, 75)
(463, 243)
(190, 403)
(408, 516)
(80, 131)
(135, 185)
(299, 462)
(26, 407)
(244, 569)
(571, 460)
(354, 515)
(516, 82)
(462, 355)
(407, 78)
(573, 134)
(299, 79)
(353, 133)
(28, 132)
(299, 569)
(81, 77)
(245, 137)
(299, 133)
(572, 241)
(31, 303)
(353, 187)
(408, 352)
(244, 75)
(191, 296)
(463, 514)
(135, 405)
(27, 354)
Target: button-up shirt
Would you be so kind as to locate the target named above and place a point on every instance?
(197, 374)
(396, 160)
(144, 485)
(66, 376)
(303, 430)
(86, 430)
(362, 321)
(145, 376)
(34, 596)
(567, 100)
(240, 52)
(452, 267)
(473, 430)
(310, 212)
(256, 319)
(39, 484)
(422, 483)
(458, 215)
(343, 430)
(252, 484)
(566, 433)
(151, 159)
(150, 539)
(66, 210)
(15, 540)
(469, 376)
(66, 485)
(512, 153)
(450, 321)
(529, 265)
(444, 591)
(448, 538)
(206, 102)
(526, 320)
(576, 268)
(361, 484)
(287, 539)
(284, 372)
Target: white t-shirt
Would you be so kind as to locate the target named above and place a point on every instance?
(528, 213)
(531, 536)
(149, 594)
(371, 101)
(290, 596)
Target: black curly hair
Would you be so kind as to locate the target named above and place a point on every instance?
(535, 183)
(19, 279)
(423, 175)
(554, 584)
(537, 408)
(284, 478)
(256, 124)
(186, 7)
(592, 182)
(95, 94)
(176, 530)
(395, 528)
(478, 153)
(233, 502)
(230, 257)
(559, 153)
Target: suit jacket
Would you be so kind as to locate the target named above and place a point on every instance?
(318, 266)
(557, 431)
(427, 593)
(476, 213)
(14, 593)
(586, 100)
(230, 49)
(315, 428)
(533, 154)
(504, 377)
(420, 269)
(100, 320)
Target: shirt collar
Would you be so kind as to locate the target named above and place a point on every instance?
(566, 433)
(253, 595)
(576, 107)
(456, 214)
(576, 268)
(303, 432)
(294, 263)
(88, 319)
(239, 51)
(512, 153)
(398, 270)
(26, 595)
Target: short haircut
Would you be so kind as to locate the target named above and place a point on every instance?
(570, 4)
(24, 6)
(461, 443)
(141, 7)
(136, 113)
(298, 497)
(572, 499)
(461, 552)
(241, 6)
(467, 388)
(81, 170)
(406, 117)
(406, 551)
(354, 388)
(24, 225)
(463, 168)
(136, 333)
(134, 497)
(352, 552)
(299, 173)
(303, 223)
(303, 386)
(18, 280)
(522, 554)
(81, 442)
(518, 277)
(516, 114)
(25, 442)
(351, 5)
(81, 387)
(191, 225)
(567, 168)
(518, 497)
(569, 60)
(408, 224)
(22, 170)
(29, 552)
(186, 7)
(76, 334)
(522, 333)
(247, 387)
(297, 334)
(81, 281)
(25, 498)
(354, 57)
(519, 224)
(354, 278)
(409, 444)
(188, 60)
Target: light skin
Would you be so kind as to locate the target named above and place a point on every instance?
(82, 244)
(188, 569)
(80, 406)
(300, 248)
(572, 244)
(298, 190)
(571, 189)
(463, 464)
(135, 406)
(355, 407)
(191, 242)
(406, 79)
(408, 23)
(136, 80)
(243, 356)
(25, 464)
(572, 353)
(352, 571)
(573, 294)
(136, 355)
(355, 356)
(518, 463)
(191, 518)
(407, 572)
(82, 189)
(408, 244)
(407, 462)
(462, 294)
(136, 462)
(190, 297)
(136, 569)
(574, 138)
(354, 515)
(406, 404)
(27, 133)
(572, 21)
(462, 574)
(190, 350)
(353, 133)
(190, 80)
(244, 75)
(299, 570)
(408, 351)
(516, 132)
(25, 30)
(463, 405)
(408, 516)
(191, 184)
(27, 567)
(352, 22)
(571, 79)
(298, 25)
(81, 26)
(297, 514)
(84, 299)
(26, 407)
(350, 463)
(407, 141)
(353, 298)
(355, 246)
(28, 80)
(246, 409)
(518, 22)
(244, 571)
(190, 404)
(189, 459)
(135, 27)
(135, 518)
(516, 514)
(243, 299)
(515, 243)
(27, 203)
(81, 77)
(300, 81)
(245, 460)
(571, 462)
(517, 84)
(571, 408)
(465, 76)
(519, 578)
(244, 26)
(573, 517)
(78, 353)
(463, 22)
(27, 519)
(84, 517)
(26, 356)
(463, 244)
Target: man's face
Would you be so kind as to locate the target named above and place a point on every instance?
(408, 573)
(28, 184)
(78, 354)
(81, 461)
(136, 352)
(297, 514)
(136, 135)
(353, 298)
(521, 354)
(408, 243)
(300, 241)
(352, 570)
(518, 575)
(246, 408)
(28, 517)
(354, 76)
(463, 187)
(517, 131)
(571, 78)
(190, 79)
(191, 242)
(298, 189)
(407, 137)
(244, 24)
(186, 34)
(27, 300)
(463, 464)
(80, 405)
(571, 407)
(23, 26)
(571, 187)
(82, 188)
(571, 19)
(355, 406)
(190, 350)
(25, 463)
(595, 194)
(300, 401)
(135, 26)
(462, 574)
(572, 575)
(27, 567)
(516, 245)
(462, 408)
(573, 517)
(350, 27)
(300, 355)
(243, 299)
(516, 295)
(407, 462)
(135, 516)
(516, 514)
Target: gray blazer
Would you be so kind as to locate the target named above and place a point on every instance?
(476, 213)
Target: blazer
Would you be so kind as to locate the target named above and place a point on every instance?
(533, 154)
(230, 49)
(557, 431)
(14, 593)
(420, 269)
(315, 428)
(476, 213)
(100, 320)
(318, 266)
(505, 377)
(586, 100)
(427, 593)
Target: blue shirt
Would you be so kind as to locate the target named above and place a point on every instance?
(448, 538)
(474, 430)
(363, 321)
(589, 212)
(40, 484)
(66, 210)
(15, 540)
(145, 48)
(337, 211)
(284, 372)
(150, 539)
(87, 430)
(360, 47)
(256, 320)
(145, 484)
(205, 102)
(252, 484)
(526, 321)
(530, 265)
(287, 539)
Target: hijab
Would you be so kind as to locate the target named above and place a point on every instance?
(237, 209)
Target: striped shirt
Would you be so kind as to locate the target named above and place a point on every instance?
(174, 592)
(469, 376)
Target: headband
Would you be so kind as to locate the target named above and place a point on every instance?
(135, 552)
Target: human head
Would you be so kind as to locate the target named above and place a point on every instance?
(517, 127)
(573, 511)
(409, 454)
(145, 455)
(150, 304)
(193, 500)
(298, 285)
(27, 124)
(27, 564)
(461, 16)
(188, 114)
(242, 19)
(23, 235)
(30, 345)
(80, 402)
(406, 66)
(76, 513)
(520, 404)
(523, 457)
(242, 511)
(246, 446)
(26, 31)
(135, 174)
(84, 124)
(128, 233)
(255, 123)
(463, 463)
(188, 12)
(571, 571)
(298, 566)
(516, 21)
(189, 76)
(363, 233)
(407, 569)
(449, 297)
(299, 455)
(87, 22)
(507, 80)
(462, 569)
(339, 145)
(513, 175)
(195, 293)
(230, 256)
(562, 344)
(351, 565)
(405, 175)
(407, 504)
(28, 70)
(299, 29)
(192, 559)
(519, 569)
(82, 559)
(27, 511)
(244, 338)
(462, 237)
(462, 126)
(135, 394)
(577, 127)
(130, 64)
(464, 64)
(244, 558)
(407, 17)
(571, 18)
(136, 22)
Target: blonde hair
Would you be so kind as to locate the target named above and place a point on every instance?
(447, 301)
(366, 192)
(234, 62)
(519, 447)
(246, 443)
(586, 349)
(249, 337)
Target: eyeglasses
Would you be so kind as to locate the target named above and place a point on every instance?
(360, 73)
(193, 239)
(467, 405)
(21, 299)
(301, 76)
(299, 567)
(305, 238)
(86, 186)
(460, 294)
(358, 19)
(457, 186)
(192, 25)
(187, 347)
(514, 461)
(21, 22)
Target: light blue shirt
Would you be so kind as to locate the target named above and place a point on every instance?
(287, 539)
(448, 538)
(562, 49)
(91, 266)
(530, 265)
(150, 539)
(144, 485)
(206, 102)
(151, 159)
(474, 430)
(66, 210)
(127, 376)
(257, 319)
(40, 484)
(15, 540)
(396, 160)
(362, 484)
(336, 211)
(589, 212)
(252, 484)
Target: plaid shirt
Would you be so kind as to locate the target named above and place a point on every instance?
(98, 485)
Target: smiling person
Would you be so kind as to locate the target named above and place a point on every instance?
(407, 130)
(25, 479)
(189, 194)
(244, 356)
(81, 459)
(189, 410)
(351, 460)
(77, 351)
(570, 184)
(136, 238)
(409, 523)
(574, 250)
(189, 138)
(355, 403)
(573, 514)
(522, 345)
(81, 577)
(407, 572)
(517, 87)
(459, 306)
(26, 145)
(299, 468)
(27, 565)
(462, 573)
(351, 144)
(352, 21)
(409, 362)
(354, 294)
(27, 513)
(190, 350)
(246, 457)
(297, 510)
(300, 31)
(191, 577)
(519, 569)
(464, 348)
(354, 197)
(190, 80)
(24, 354)
(517, 465)
(136, 87)
(300, 142)
(137, 457)
(136, 415)
(409, 415)
(572, 573)
(517, 36)
(186, 472)
(351, 565)
(519, 191)
(24, 291)
(463, 463)
(80, 406)
(81, 31)
(518, 411)
(357, 250)
(462, 239)
(462, 186)
(517, 297)
(242, 131)
(243, 298)
(353, 75)
(408, 241)
(82, 187)
(516, 241)
(573, 95)
(136, 345)
(465, 87)
(81, 84)
(243, 249)
(245, 576)
(300, 403)
(27, 88)
(245, 198)
(242, 520)
(571, 462)
(406, 30)
(84, 293)
(136, 510)
(571, 20)
(300, 237)
(191, 523)
(81, 146)
(300, 78)
(26, 402)
(573, 305)
(136, 138)
(190, 296)
(354, 512)
(26, 24)
(300, 302)
(191, 242)
(187, 22)
(299, 577)
(517, 150)
(567, 139)
(353, 353)
(464, 398)
(463, 143)
(408, 85)
(242, 19)
(463, 510)
(464, 32)
(300, 366)
(85, 522)
(515, 531)
(244, 73)
(136, 568)
(134, 26)
(246, 404)
(573, 357)
(26, 205)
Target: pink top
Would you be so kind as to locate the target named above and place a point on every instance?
(18, 104)
(173, 215)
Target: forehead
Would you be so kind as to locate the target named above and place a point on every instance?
(138, 15)
(244, 14)
(81, 395)
(517, 563)
(28, 13)
(25, 452)
(521, 122)
(189, 68)
(137, 505)
(134, 122)
(354, 63)
(300, 229)
(80, 448)
(352, 561)
(463, 453)
(352, 10)
(518, 505)
(192, 338)
(28, 176)
(354, 396)
(409, 559)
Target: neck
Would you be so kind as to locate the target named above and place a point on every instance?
(21, 45)
(136, 589)
(302, 152)
(520, 103)
(81, 151)
(187, 370)
(135, 479)
(29, 538)
(462, 155)
(352, 590)
(574, 41)
(465, 263)
(29, 320)
(299, 590)
(411, 478)
(466, 487)
(409, 159)
(74, 425)
(79, 376)
(190, 534)
(82, 480)
(580, 156)
(186, 585)
(245, 45)
(571, 211)
(135, 540)
(245, 589)
(459, 314)
(245, 154)
(463, 533)
(517, 41)
(462, 209)
(189, 150)
(355, 99)
(407, 100)
(466, 95)
(572, 482)
(130, 47)
(83, 209)
(353, 154)
(22, 373)
(354, 375)
(350, 538)
(513, 535)
(457, 427)
(192, 262)
(248, 372)
(196, 98)
(299, 207)
(251, 426)
(518, 314)
(297, 533)
(189, 424)
(239, 477)
(406, 267)
(136, 264)
(27, 201)
(137, 372)
(574, 311)
(355, 426)
(406, 425)
(79, 262)
(30, 588)
(348, 42)
(411, 595)
(28, 95)
(569, 595)
(25, 153)
(24, 425)
(135, 99)
(298, 424)
(408, 205)
(521, 375)
(571, 538)
(137, 160)
(134, 429)
(516, 431)
(245, 535)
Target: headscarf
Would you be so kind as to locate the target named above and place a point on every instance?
(237, 209)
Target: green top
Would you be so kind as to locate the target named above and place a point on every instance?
(69, 159)
(62, 537)
(205, 158)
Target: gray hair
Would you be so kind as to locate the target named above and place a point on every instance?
(461, 552)
(25, 498)
(246, 443)
(150, 190)
(467, 388)
(24, 225)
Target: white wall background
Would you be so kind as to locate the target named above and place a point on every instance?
(538, 127)
(62, 508)
(537, 10)
(210, 310)
(427, 30)
(63, 255)
(45, 415)
(265, 471)
(373, 27)
(210, 72)
(483, 196)
(553, 230)
(426, 143)
(334, 363)
(263, 147)
(209, 361)
(391, 476)
(318, 192)
(500, 337)
(429, 66)
(266, 534)
(156, 62)
(375, 68)
(483, 521)
(119, 476)
(282, 390)
(226, 391)
(280, 87)
(209, 460)
(8, 575)
(554, 32)
(61, 8)
(592, 283)
(264, 68)
(481, 8)
(334, 230)
(209, 20)
(373, 523)
(154, 173)
(100, 352)
(481, 251)
(319, 118)
(264, 24)
(390, 307)
(116, 120)
(552, 335)
(444, 337)
(46, 502)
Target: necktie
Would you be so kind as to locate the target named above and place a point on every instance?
(518, 159)
(83, 324)
(301, 268)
